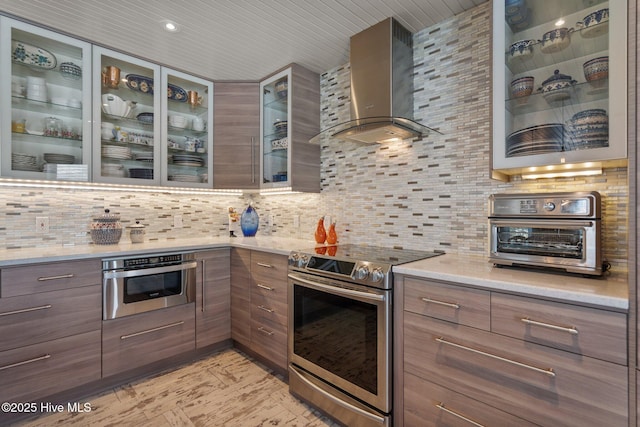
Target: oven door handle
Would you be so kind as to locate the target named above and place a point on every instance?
(542, 223)
(118, 274)
(336, 290)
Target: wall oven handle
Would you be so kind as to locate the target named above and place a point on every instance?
(118, 274)
(148, 331)
(446, 304)
(455, 414)
(336, 290)
(572, 330)
(26, 310)
(373, 417)
(548, 372)
(569, 224)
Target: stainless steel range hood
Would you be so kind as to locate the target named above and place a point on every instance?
(381, 60)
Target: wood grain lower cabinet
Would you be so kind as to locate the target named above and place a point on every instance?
(449, 370)
(259, 303)
(213, 297)
(39, 370)
(133, 341)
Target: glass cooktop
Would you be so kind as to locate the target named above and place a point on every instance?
(373, 254)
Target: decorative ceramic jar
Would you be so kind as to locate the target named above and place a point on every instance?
(332, 236)
(320, 234)
(136, 232)
(249, 221)
(106, 229)
(557, 87)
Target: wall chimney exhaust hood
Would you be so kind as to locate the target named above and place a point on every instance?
(381, 60)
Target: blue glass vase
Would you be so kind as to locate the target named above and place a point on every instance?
(249, 222)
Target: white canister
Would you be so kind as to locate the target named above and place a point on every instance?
(107, 130)
(198, 124)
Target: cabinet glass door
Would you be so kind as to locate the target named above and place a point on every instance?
(46, 115)
(559, 83)
(187, 154)
(275, 117)
(126, 120)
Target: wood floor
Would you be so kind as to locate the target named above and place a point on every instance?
(226, 389)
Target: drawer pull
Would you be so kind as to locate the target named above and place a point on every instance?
(548, 372)
(204, 281)
(265, 287)
(265, 331)
(148, 331)
(267, 309)
(24, 362)
(455, 414)
(62, 276)
(261, 264)
(572, 330)
(446, 304)
(25, 310)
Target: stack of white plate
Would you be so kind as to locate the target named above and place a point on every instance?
(61, 159)
(184, 178)
(187, 160)
(116, 170)
(547, 138)
(24, 162)
(116, 152)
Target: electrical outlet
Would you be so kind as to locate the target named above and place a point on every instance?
(42, 224)
(296, 221)
(270, 220)
(177, 221)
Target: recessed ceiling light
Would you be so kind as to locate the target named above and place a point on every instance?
(170, 26)
(559, 22)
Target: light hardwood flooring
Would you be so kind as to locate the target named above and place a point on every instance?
(226, 389)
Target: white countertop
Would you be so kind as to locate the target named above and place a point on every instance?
(610, 291)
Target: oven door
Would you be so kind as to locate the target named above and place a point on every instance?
(572, 245)
(341, 333)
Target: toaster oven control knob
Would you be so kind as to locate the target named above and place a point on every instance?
(549, 206)
(377, 275)
(362, 273)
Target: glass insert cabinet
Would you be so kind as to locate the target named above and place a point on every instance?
(559, 83)
(46, 97)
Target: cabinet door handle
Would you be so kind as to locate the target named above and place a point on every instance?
(455, 414)
(267, 309)
(446, 304)
(261, 264)
(62, 276)
(265, 287)
(25, 310)
(24, 362)
(265, 331)
(148, 331)
(253, 161)
(572, 329)
(204, 267)
(548, 371)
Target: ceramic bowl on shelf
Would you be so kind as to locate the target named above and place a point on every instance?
(69, 70)
(596, 71)
(116, 106)
(146, 118)
(521, 48)
(555, 40)
(594, 24)
(177, 121)
(281, 88)
(522, 87)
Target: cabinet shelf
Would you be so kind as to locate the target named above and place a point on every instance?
(580, 93)
(45, 107)
(42, 139)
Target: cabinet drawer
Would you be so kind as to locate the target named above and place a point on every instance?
(31, 279)
(269, 269)
(269, 340)
(30, 319)
(40, 370)
(593, 332)
(269, 309)
(543, 385)
(456, 304)
(140, 339)
(428, 405)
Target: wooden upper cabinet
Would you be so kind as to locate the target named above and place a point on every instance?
(236, 162)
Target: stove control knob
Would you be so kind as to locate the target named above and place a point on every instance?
(362, 273)
(377, 275)
(293, 259)
(549, 206)
(302, 261)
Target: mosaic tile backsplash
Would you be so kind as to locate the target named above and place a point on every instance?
(425, 194)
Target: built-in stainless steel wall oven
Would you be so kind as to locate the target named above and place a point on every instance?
(554, 231)
(139, 284)
(340, 330)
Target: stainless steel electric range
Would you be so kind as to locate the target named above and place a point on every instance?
(340, 329)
